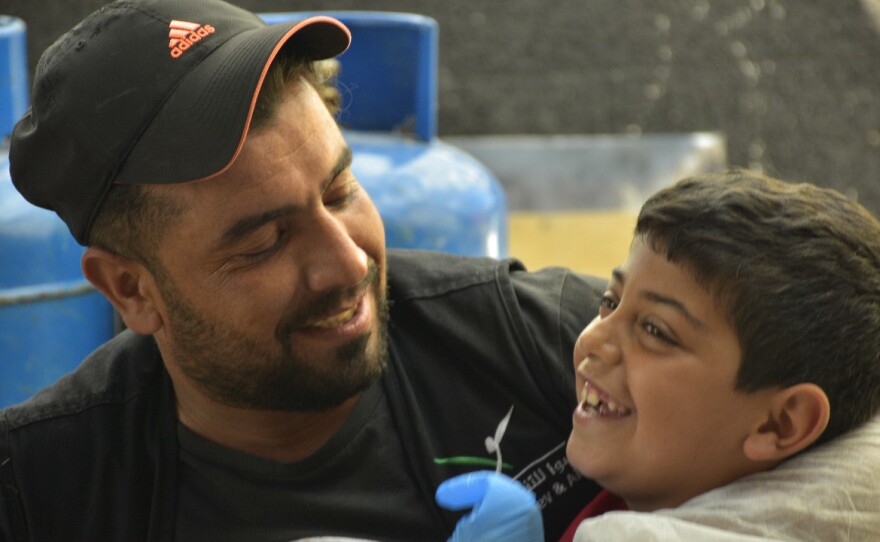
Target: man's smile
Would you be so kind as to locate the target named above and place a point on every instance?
(337, 319)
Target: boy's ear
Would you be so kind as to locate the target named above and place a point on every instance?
(128, 285)
(797, 417)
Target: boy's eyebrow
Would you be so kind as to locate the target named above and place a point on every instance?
(251, 223)
(677, 305)
(617, 274)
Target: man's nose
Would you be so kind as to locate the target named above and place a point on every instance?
(335, 259)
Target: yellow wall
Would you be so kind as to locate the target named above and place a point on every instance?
(592, 242)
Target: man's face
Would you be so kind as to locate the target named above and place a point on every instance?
(274, 279)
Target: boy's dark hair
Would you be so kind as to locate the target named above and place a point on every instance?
(133, 219)
(796, 267)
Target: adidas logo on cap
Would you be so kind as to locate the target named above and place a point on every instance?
(182, 35)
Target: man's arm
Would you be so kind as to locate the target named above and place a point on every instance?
(556, 304)
(11, 515)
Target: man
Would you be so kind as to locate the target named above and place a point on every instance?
(280, 378)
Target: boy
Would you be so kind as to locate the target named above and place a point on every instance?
(741, 330)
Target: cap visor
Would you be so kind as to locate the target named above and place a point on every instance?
(200, 129)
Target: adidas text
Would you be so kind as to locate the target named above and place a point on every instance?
(185, 42)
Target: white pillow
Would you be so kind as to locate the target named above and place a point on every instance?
(830, 493)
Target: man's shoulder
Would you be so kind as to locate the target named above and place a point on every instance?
(83, 457)
(115, 372)
(425, 273)
(414, 274)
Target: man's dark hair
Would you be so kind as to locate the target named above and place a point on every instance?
(797, 269)
(133, 219)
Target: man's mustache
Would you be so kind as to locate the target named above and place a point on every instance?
(323, 305)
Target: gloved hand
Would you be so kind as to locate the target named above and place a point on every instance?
(503, 509)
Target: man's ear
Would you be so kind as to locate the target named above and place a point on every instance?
(128, 285)
(796, 418)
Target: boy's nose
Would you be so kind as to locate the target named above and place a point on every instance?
(598, 341)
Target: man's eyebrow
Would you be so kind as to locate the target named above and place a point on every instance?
(342, 163)
(251, 223)
(617, 274)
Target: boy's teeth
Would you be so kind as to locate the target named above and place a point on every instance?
(594, 405)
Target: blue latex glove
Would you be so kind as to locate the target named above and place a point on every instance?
(503, 509)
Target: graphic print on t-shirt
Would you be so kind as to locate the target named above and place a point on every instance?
(493, 445)
(548, 477)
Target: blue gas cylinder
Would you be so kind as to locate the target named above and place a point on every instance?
(13, 73)
(431, 195)
(50, 316)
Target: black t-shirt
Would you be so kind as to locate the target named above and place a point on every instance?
(469, 343)
(471, 340)
(237, 497)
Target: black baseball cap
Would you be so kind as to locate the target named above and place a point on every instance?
(149, 92)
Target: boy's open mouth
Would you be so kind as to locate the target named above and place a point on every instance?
(595, 402)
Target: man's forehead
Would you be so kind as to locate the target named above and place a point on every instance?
(232, 206)
(202, 203)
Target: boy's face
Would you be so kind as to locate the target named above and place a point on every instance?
(658, 365)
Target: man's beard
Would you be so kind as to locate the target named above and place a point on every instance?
(234, 369)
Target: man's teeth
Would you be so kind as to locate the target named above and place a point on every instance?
(594, 404)
(334, 321)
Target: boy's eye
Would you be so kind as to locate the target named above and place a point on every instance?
(607, 304)
(656, 333)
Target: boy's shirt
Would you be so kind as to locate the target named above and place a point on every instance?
(605, 501)
(828, 494)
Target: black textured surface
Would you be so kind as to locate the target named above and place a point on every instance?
(794, 85)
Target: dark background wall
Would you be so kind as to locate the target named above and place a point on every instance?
(794, 84)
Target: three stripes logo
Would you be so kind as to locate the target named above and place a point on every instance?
(182, 35)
